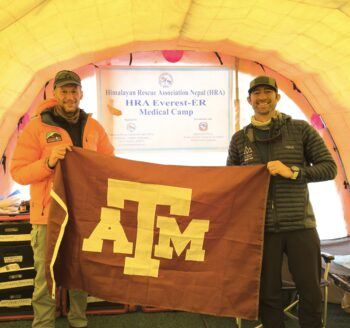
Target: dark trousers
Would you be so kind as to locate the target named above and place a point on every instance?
(302, 248)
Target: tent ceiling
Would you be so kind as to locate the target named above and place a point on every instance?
(306, 41)
(10, 12)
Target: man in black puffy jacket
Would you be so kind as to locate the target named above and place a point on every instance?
(294, 154)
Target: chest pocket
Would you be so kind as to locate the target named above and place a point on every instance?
(290, 150)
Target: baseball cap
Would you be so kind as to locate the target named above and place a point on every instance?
(66, 77)
(263, 80)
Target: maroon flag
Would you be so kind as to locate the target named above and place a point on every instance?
(178, 237)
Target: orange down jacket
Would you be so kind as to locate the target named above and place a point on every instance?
(29, 162)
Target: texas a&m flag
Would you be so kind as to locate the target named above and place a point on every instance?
(178, 237)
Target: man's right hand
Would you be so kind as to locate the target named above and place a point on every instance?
(57, 153)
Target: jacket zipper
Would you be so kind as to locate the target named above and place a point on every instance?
(273, 195)
(83, 125)
(43, 203)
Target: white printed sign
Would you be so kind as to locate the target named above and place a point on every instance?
(166, 108)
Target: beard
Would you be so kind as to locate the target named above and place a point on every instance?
(69, 116)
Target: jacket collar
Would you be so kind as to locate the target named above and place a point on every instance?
(276, 125)
(46, 116)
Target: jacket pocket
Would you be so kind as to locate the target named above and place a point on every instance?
(46, 195)
(91, 141)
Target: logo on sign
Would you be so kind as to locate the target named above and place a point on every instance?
(131, 127)
(165, 80)
(203, 126)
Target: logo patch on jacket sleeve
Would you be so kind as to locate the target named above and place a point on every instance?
(53, 137)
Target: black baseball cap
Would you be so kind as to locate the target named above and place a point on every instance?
(263, 80)
(66, 77)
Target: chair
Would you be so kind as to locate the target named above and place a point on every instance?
(339, 273)
(289, 286)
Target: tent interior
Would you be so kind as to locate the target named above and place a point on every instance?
(303, 44)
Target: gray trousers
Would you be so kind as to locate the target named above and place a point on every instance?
(44, 306)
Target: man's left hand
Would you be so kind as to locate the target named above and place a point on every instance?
(278, 168)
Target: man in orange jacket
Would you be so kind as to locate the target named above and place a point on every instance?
(45, 141)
